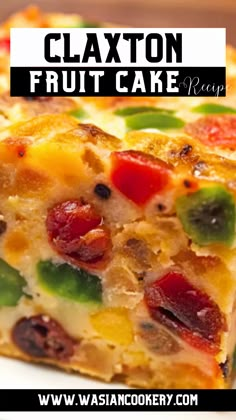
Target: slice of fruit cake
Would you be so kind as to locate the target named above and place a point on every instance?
(117, 257)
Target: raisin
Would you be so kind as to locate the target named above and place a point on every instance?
(225, 368)
(161, 207)
(29, 98)
(187, 148)
(187, 183)
(41, 336)
(103, 191)
(37, 98)
(3, 226)
(21, 153)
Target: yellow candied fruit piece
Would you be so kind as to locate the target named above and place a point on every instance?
(114, 325)
(135, 358)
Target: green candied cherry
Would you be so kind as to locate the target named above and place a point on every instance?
(213, 109)
(234, 359)
(86, 24)
(159, 120)
(208, 215)
(79, 113)
(69, 283)
(11, 285)
(132, 110)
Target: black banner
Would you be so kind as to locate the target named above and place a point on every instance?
(117, 400)
(118, 81)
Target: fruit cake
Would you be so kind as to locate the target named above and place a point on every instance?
(117, 232)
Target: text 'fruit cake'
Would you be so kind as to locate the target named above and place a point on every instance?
(118, 251)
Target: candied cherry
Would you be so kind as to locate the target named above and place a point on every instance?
(77, 232)
(5, 44)
(214, 130)
(208, 215)
(186, 310)
(138, 176)
(11, 285)
(68, 282)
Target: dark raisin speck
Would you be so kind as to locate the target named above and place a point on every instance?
(3, 226)
(225, 368)
(103, 191)
(38, 98)
(187, 183)
(186, 150)
(141, 277)
(161, 207)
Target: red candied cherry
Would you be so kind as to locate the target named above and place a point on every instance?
(188, 311)
(138, 176)
(5, 44)
(76, 232)
(214, 130)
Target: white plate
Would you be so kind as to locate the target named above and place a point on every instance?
(15, 374)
